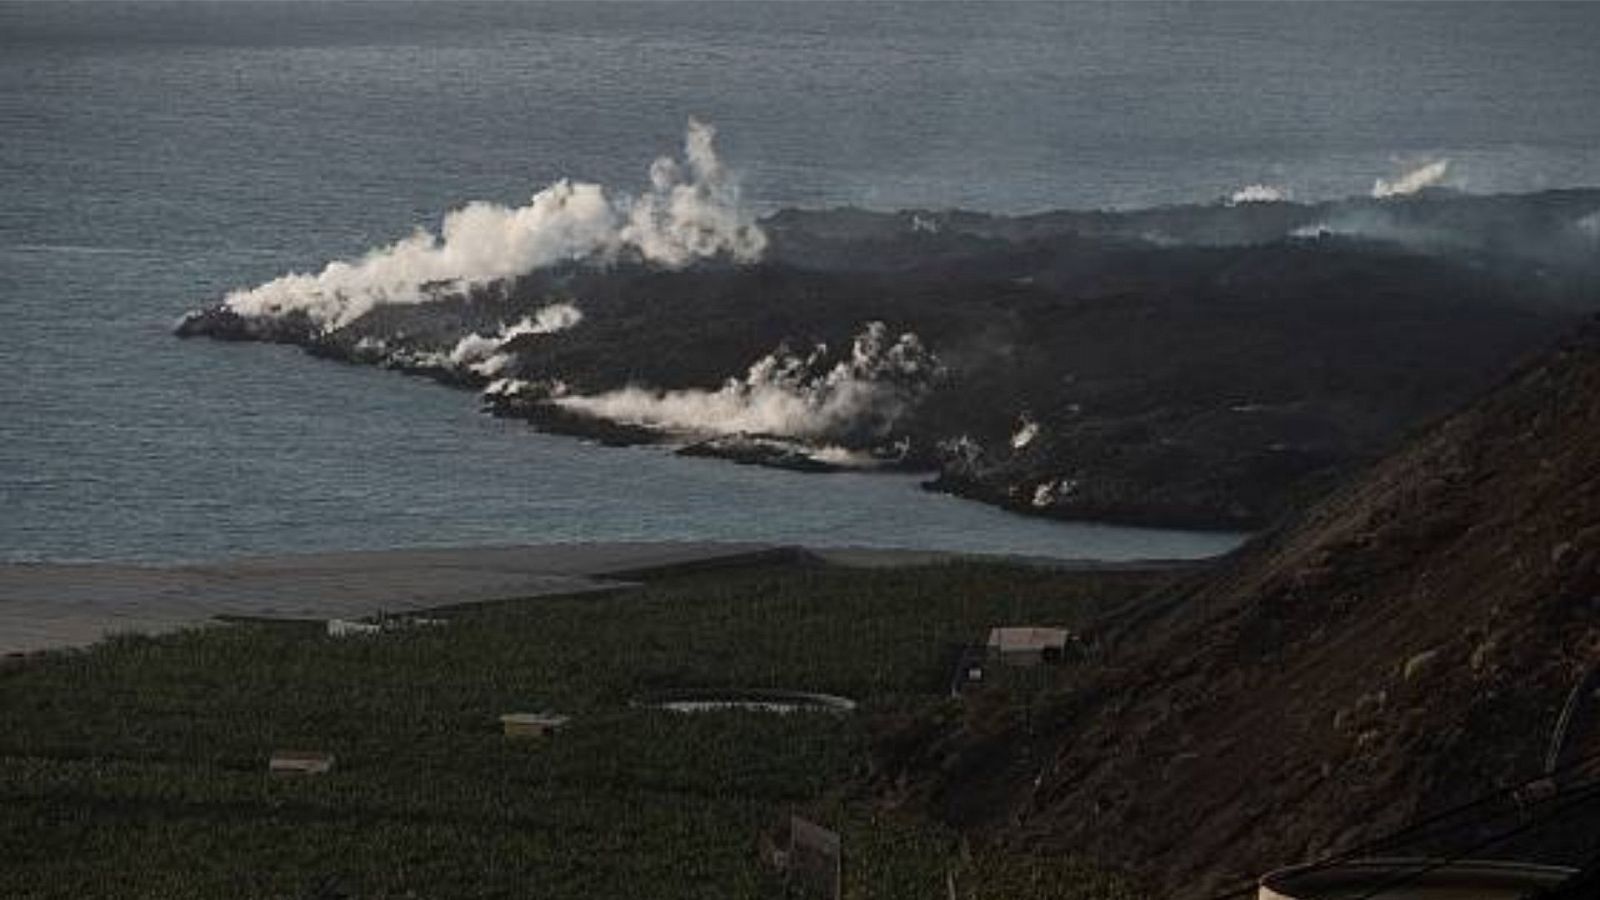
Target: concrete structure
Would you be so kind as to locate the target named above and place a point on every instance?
(1411, 879)
(344, 628)
(532, 725)
(300, 762)
(1028, 645)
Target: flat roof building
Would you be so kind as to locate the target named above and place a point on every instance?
(1028, 645)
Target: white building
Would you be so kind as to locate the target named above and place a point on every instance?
(1028, 645)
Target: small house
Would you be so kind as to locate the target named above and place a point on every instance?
(532, 725)
(1029, 645)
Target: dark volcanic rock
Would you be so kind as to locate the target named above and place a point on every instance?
(223, 324)
(785, 453)
(1546, 229)
(1186, 366)
(561, 421)
(756, 451)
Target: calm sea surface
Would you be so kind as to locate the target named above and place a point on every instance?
(153, 156)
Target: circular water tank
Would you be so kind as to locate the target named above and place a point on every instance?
(1410, 879)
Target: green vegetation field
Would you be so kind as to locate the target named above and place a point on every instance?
(138, 769)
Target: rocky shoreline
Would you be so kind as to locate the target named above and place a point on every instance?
(1201, 367)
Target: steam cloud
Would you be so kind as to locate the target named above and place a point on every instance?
(1590, 225)
(1027, 431)
(481, 353)
(1258, 193)
(1412, 181)
(786, 395)
(691, 211)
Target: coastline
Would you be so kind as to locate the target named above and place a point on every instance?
(55, 606)
(1007, 360)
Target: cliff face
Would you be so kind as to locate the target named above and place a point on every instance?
(1404, 646)
(1193, 366)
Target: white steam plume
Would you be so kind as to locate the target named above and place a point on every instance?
(474, 348)
(691, 211)
(786, 395)
(1027, 431)
(547, 320)
(1412, 181)
(481, 353)
(1258, 193)
(1590, 225)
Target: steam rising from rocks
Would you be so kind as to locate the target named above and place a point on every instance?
(1412, 181)
(1408, 182)
(691, 211)
(1258, 193)
(784, 394)
(1027, 431)
(1590, 225)
(481, 353)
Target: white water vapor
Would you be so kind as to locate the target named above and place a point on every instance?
(1049, 493)
(1258, 193)
(1412, 181)
(786, 395)
(1027, 431)
(482, 353)
(691, 211)
(547, 320)
(474, 348)
(1590, 225)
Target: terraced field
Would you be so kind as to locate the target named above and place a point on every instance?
(138, 768)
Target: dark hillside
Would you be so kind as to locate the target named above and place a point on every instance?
(1403, 647)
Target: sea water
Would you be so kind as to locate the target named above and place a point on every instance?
(156, 155)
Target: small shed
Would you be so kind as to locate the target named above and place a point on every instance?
(300, 762)
(1028, 645)
(532, 725)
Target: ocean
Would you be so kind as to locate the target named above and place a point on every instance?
(156, 155)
